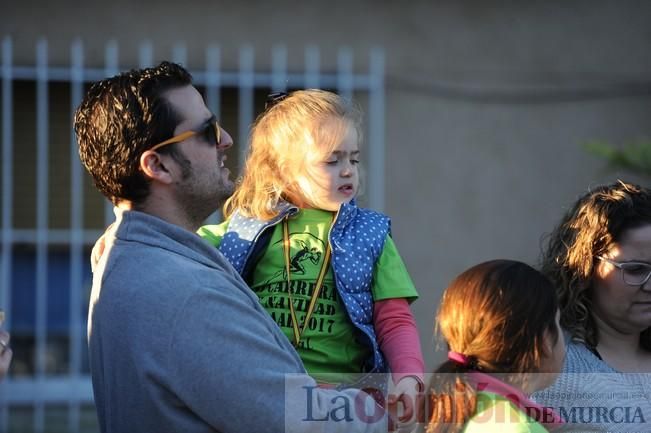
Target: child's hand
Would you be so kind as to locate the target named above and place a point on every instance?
(406, 392)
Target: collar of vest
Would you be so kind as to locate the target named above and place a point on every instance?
(284, 208)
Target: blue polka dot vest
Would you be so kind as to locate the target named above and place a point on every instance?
(357, 238)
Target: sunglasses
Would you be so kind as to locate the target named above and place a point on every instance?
(211, 130)
(274, 98)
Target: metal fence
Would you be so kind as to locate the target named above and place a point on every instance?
(62, 401)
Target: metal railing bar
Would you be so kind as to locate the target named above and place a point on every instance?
(7, 204)
(376, 128)
(201, 78)
(76, 227)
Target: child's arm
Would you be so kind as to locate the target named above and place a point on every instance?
(394, 324)
(396, 330)
(398, 338)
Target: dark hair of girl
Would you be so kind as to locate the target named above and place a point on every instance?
(496, 314)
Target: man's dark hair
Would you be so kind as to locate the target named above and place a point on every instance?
(120, 118)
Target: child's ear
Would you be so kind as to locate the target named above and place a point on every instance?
(548, 344)
(151, 164)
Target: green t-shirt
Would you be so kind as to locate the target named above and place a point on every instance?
(330, 343)
(495, 413)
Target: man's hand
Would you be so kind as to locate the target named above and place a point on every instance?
(5, 353)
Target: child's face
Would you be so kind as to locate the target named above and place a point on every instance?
(336, 177)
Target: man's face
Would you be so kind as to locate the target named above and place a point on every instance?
(204, 183)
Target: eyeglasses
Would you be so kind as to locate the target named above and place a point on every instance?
(211, 130)
(633, 273)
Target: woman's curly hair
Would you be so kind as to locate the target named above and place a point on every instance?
(591, 228)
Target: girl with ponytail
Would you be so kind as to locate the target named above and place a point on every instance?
(500, 322)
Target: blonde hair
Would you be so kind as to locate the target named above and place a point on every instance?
(301, 128)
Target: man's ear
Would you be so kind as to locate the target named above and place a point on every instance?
(152, 166)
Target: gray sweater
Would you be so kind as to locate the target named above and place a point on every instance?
(591, 396)
(179, 343)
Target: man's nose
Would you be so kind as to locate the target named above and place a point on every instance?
(226, 140)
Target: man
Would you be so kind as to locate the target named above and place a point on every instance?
(177, 341)
(5, 351)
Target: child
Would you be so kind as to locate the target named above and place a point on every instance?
(326, 270)
(499, 318)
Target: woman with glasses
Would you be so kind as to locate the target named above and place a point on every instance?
(599, 258)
